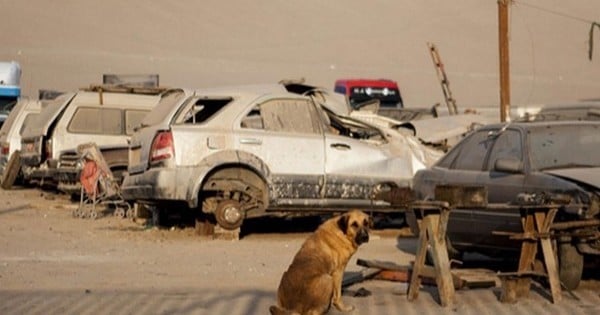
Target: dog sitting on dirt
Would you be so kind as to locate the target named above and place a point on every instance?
(313, 282)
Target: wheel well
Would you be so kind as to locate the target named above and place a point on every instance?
(237, 182)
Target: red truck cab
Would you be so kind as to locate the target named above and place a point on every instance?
(358, 91)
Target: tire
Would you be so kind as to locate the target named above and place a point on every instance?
(570, 265)
(11, 172)
(229, 214)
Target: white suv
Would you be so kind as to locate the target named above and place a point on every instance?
(105, 115)
(235, 153)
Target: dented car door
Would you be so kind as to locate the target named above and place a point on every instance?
(287, 135)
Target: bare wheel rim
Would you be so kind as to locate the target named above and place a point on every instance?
(229, 214)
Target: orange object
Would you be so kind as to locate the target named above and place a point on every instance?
(89, 177)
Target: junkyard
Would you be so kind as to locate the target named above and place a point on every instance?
(253, 166)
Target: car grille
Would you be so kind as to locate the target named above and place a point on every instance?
(69, 159)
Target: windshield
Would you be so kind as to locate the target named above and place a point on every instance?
(388, 97)
(565, 146)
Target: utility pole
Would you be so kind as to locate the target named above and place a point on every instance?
(504, 59)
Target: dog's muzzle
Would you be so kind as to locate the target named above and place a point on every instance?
(362, 236)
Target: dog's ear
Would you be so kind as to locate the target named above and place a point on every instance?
(343, 223)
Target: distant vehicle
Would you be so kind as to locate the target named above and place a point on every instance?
(577, 111)
(548, 158)
(20, 116)
(10, 89)
(229, 154)
(105, 115)
(359, 91)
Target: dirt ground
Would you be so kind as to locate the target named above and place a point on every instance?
(53, 263)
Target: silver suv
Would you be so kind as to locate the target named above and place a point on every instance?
(244, 152)
(105, 115)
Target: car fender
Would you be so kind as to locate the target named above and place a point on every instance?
(221, 159)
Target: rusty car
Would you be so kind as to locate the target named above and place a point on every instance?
(549, 160)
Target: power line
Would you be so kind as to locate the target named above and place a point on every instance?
(561, 14)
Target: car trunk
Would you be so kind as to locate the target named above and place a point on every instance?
(35, 133)
(158, 119)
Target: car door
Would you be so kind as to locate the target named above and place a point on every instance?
(467, 169)
(358, 159)
(503, 188)
(286, 134)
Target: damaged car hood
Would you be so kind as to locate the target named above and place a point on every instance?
(587, 175)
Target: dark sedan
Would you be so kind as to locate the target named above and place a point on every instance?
(560, 158)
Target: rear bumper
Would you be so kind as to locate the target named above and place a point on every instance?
(156, 185)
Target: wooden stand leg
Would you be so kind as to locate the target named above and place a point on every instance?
(433, 233)
(543, 224)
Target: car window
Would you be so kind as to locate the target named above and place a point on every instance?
(202, 110)
(96, 121)
(473, 151)
(564, 146)
(287, 115)
(133, 118)
(507, 145)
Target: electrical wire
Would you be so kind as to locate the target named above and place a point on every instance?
(558, 13)
(593, 24)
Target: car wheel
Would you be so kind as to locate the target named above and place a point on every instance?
(11, 171)
(570, 265)
(229, 214)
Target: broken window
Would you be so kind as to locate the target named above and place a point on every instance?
(203, 110)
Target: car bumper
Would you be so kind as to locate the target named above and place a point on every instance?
(68, 180)
(157, 185)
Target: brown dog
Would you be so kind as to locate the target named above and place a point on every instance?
(314, 279)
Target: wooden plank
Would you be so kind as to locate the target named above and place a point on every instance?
(385, 265)
(360, 276)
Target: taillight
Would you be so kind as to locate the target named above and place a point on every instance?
(5, 148)
(162, 147)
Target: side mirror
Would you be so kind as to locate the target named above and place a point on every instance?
(508, 165)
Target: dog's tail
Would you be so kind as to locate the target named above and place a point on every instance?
(276, 310)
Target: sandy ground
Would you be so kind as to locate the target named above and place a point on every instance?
(65, 45)
(52, 263)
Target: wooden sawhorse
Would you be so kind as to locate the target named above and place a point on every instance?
(432, 218)
(536, 222)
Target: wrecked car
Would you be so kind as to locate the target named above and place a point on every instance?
(228, 154)
(102, 114)
(557, 160)
(10, 138)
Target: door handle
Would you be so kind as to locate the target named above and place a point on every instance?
(250, 141)
(340, 146)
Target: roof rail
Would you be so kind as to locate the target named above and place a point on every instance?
(124, 88)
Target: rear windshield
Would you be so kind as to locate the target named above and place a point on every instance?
(164, 109)
(47, 116)
(27, 121)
